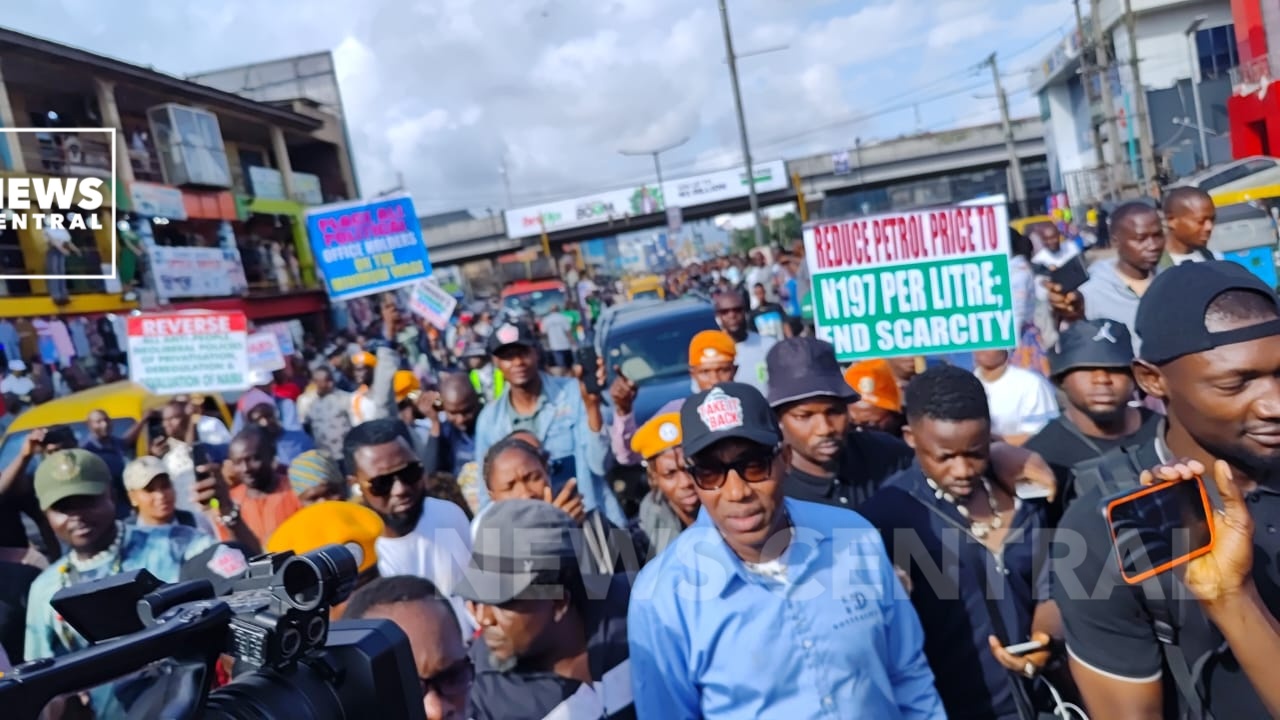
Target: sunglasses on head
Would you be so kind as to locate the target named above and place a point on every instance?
(381, 485)
(454, 680)
(754, 466)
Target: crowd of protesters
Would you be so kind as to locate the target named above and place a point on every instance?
(813, 540)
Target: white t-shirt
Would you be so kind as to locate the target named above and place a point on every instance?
(559, 331)
(752, 369)
(1193, 257)
(1022, 402)
(17, 385)
(1053, 260)
(438, 549)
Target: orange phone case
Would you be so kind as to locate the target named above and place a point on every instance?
(1175, 562)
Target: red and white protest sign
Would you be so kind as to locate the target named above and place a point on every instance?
(196, 352)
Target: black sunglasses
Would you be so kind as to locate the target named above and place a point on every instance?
(409, 475)
(453, 681)
(753, 466)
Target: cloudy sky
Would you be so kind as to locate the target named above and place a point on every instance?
(447, 91)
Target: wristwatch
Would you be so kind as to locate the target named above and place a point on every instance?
(231, 518)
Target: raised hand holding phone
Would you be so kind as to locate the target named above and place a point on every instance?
(1226, 569)
(568, 500)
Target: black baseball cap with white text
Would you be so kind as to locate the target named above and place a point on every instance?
(728, 410)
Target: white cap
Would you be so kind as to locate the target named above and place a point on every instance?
(17, 366)
(259, 377)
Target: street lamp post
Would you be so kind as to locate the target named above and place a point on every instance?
(742, 125)
(657, 163)
(1193, 65)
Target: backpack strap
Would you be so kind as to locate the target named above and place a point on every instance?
(1185, 675)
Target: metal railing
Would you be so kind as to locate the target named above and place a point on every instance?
(61, 153)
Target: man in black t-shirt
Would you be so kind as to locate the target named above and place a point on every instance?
(1091, 365)
(830, 463)
(1210, 336)
(767, 317)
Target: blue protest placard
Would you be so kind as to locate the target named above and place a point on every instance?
(368, 247)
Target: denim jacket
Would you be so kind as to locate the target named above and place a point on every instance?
(560, 423)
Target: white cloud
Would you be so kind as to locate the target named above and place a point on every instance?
(443, 90)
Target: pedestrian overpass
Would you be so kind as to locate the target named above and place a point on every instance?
(912, 157)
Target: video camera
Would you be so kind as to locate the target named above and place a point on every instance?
(155, 647)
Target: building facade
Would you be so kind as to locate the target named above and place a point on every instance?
(1186, 51)
(210, 189)
(1254, 107)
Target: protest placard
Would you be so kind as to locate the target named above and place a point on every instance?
(924, 282)
(204, 352)
(432, 303)
(264, 352)
(363, 248)
(284, 336)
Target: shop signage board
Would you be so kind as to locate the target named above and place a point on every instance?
(265, 352)
(266, 183)
(433, 303)
(306, 188)
(924, 282)
(155, 200)
(368, 247)
(186, 272)
(188, 352)
(646, 199)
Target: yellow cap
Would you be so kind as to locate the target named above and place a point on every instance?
(405, 383)
(335, 522)
(364, 359)
(660, 434)
(711, 346)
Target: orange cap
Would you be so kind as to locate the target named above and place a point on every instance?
(405, 383)
(364, 359)
(655, 437)
(874, 382)
(711, 346)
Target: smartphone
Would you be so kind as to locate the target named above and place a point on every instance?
(1027, 491)
(1071, 275)
(200, 457)
(589, 361)
(1159, 527)
(1023, 648)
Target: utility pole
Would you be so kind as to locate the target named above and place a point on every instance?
(742, 125)
(506, 180)
(1193, 66)
(1018, 188)
(1086, 73)
(1140, 102)
(1116, 171)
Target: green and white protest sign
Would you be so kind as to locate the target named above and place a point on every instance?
(923, 282)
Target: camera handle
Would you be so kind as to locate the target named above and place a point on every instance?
(198, 628)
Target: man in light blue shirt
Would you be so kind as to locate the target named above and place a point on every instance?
(768, 607)
(565, 418)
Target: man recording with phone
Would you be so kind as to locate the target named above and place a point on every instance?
(563, 413)
(1210, 334)
(1114, 287)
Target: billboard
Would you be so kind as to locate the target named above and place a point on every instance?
(643, 200)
